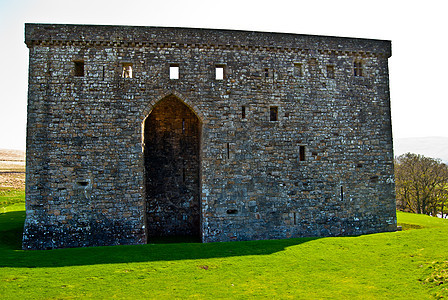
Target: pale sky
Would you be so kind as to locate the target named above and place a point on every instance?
(418, 31)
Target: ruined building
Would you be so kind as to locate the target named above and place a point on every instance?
(136, 133)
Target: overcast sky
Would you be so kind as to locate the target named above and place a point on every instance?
(417, 29)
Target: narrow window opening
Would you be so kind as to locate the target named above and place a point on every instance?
(273, 113)
(228, 150)
(342, 193)
(183, 174)
(266, 73)
(330, 71)
(298, 70)
(127, 70)
(358, 68)
(219, 72)
(361, 116)
(174, 71)
(232, 211)
(79, 68)
(103, 72)
(243, 112)
(301, 153)
(295, 219)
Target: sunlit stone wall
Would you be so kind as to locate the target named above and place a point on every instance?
(293, 135)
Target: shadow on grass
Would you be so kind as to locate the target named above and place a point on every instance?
(406, 226)
(12, 256)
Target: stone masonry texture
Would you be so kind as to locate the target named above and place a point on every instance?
(137, 133)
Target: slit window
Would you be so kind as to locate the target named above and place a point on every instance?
(219, 72)
(301, 153)
(174, 71)
(330, 71)
(243, 112)
(183, 174)
(298, 70)
(273, 113)
(79, 68)
(358, 70)
(127, 70)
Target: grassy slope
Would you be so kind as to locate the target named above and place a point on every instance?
(397, 265)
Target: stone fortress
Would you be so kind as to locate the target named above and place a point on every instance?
(136, 133)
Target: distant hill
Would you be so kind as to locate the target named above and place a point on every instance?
(434, 147)
(12, 155)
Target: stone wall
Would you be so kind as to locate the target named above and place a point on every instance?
(295, 140)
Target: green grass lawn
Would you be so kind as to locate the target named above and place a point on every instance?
(11, 200)
(411, 264)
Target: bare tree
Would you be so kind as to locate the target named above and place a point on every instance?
(421, 184)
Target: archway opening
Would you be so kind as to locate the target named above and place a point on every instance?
(172, 171)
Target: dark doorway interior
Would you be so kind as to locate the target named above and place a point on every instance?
(171, 151)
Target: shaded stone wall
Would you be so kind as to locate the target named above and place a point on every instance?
(322, 167)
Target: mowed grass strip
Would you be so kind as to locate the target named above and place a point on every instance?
(410, 264)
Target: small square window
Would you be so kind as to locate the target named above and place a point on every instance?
(358, 68)
(174, 71)
(273, 113)
(126, 70)
(330, 71)
(79, 68)
(266, 73)
(219, 72)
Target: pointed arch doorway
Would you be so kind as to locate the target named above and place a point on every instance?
(172, 170)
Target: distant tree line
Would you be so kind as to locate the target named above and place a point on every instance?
(421, 185)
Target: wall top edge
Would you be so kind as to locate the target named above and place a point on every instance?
(118, 34)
